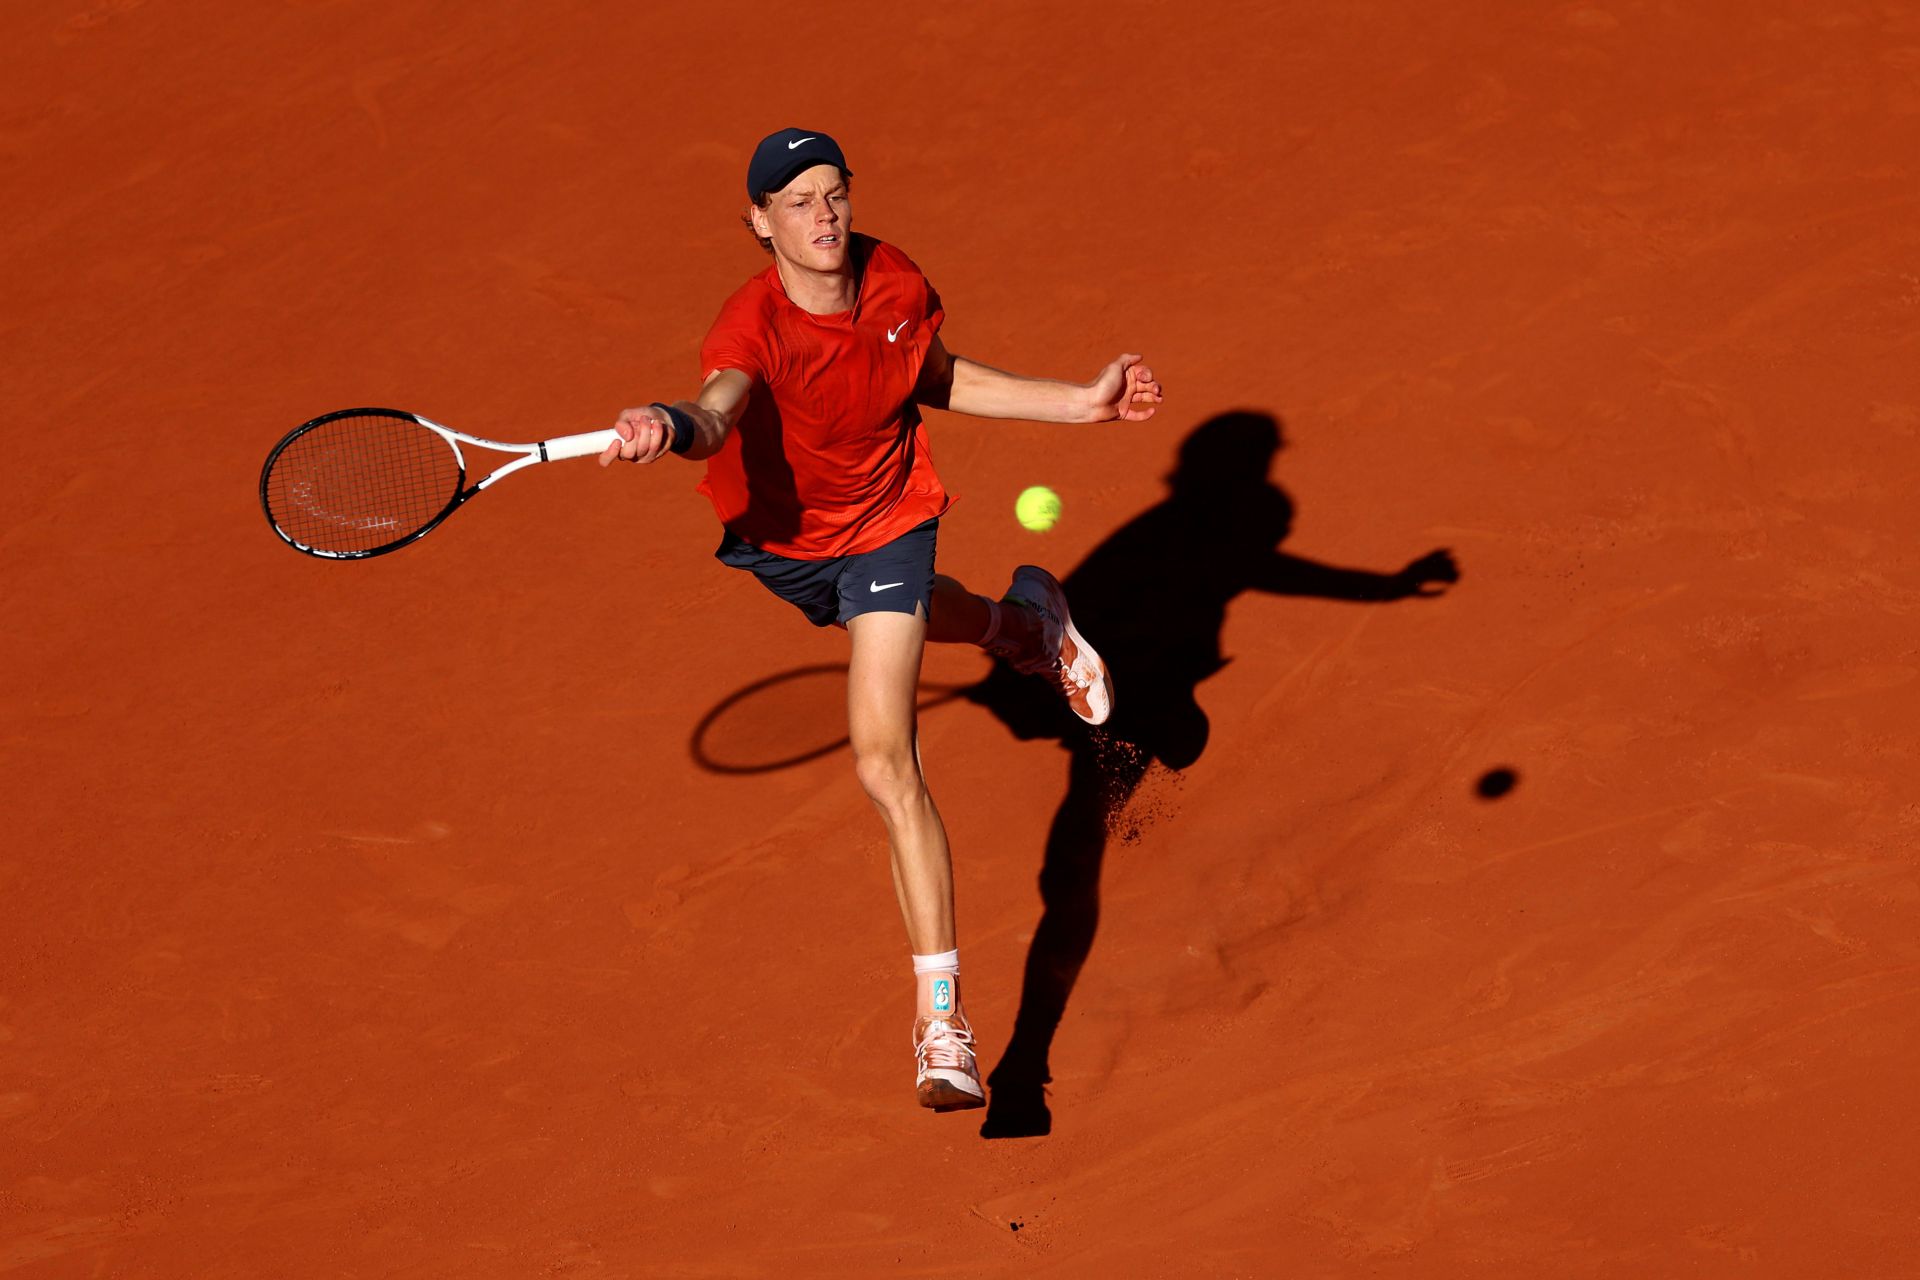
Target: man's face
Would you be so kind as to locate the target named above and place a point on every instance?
(810, 220)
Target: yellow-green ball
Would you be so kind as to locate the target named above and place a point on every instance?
(1037, 508)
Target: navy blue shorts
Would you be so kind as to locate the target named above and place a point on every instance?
(896, 578)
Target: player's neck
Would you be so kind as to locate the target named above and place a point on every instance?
(820, 293)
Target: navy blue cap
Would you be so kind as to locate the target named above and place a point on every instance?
(783, 156)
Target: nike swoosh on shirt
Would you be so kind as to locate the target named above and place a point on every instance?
(895, 331)
(809, 138)
(883, 586)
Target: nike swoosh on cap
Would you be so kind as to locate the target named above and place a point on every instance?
(809, 138)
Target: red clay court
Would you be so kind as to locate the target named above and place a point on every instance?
(506, 908)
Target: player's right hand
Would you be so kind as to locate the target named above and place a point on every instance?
(645, 436)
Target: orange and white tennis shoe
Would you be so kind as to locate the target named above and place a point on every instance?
(1064, 657)
(949, 1078)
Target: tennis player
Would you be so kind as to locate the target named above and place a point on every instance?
(817, 464)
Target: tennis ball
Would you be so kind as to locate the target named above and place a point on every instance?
(1037, 508)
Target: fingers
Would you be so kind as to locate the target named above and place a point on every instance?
(624, 430)
(1126, 389)
(1142, 393)
(645, 436)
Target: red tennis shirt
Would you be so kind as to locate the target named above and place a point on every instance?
(829, 457)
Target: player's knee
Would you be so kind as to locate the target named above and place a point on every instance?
(890, 776)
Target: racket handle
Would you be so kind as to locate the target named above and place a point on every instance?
(588, 442)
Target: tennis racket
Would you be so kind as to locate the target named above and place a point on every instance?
(363, 482)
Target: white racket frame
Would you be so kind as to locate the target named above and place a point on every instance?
(557, 449)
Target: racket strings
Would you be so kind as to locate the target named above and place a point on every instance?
(361, 483)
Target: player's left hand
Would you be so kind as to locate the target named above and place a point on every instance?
(1125, 389)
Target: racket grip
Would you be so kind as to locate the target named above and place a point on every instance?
(587, 442)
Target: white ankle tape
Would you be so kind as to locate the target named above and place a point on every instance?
(944, 962)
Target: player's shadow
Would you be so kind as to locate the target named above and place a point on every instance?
(1152, 598)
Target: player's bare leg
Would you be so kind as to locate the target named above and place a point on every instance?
(883, 681)
(883, 678)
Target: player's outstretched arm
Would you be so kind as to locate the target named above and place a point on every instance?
(646, 434)
(1125, 390)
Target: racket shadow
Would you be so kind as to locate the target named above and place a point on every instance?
(785, 720)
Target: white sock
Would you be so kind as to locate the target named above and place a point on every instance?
(942, 962)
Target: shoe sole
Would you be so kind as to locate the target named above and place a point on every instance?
(1082, 652)
(938, 1095)
(1086, 652)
